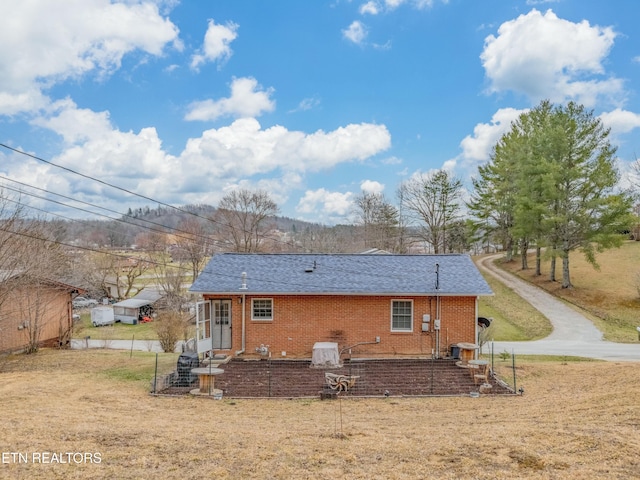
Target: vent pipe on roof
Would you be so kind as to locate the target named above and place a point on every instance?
(437, 276)
(244, 281)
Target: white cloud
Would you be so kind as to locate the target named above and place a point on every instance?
(217, 41)
(543, 56)
(241, 153)
(306, 104)
(44, 42)
(278, 187)
(391, 161)
(374, 7)
(620, 121)
(356, 32)
(247, 99)
(478, 147)
(393, 4)
(370, 8)
(73, 124)
(371, 186)
(244, 148)
(330, 204)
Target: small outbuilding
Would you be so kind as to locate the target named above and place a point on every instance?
(133, 310)
(35, 312)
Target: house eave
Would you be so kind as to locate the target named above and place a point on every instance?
(347, 294)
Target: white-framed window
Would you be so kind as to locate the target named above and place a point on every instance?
(401, 315)
(262, 309)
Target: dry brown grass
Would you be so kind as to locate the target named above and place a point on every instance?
(609, 294)
(575, 421)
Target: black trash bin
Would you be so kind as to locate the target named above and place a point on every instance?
(187, 361)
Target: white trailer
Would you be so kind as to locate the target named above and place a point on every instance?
(102, 316)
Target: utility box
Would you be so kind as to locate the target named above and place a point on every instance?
(101, 316)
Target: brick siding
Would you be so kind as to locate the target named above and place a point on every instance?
(300, 321)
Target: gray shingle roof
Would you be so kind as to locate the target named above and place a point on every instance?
(341, 274)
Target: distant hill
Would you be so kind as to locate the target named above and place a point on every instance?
(124, 231)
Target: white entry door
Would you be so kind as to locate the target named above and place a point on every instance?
(213, 325)
(221, 325)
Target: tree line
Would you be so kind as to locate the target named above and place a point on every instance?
(552, 184)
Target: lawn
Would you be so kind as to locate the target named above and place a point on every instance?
(608, 295)
(121, 331)
(575, 420)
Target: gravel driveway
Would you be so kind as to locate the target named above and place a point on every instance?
(573, 334)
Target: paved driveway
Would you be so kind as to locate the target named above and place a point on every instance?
(573, 334)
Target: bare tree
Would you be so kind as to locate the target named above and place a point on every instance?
(151, 241)
(170, 277)
(105, 269)
(192, 245)
(379, 221)
(322, 239)
(32, 261)
(242, 217)
(433, 201)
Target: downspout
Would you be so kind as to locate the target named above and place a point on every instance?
(240, 352)
(437, 327)
(437, 322)
(244, 335)
(478, 352)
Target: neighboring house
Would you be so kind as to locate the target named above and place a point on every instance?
(35, 313)
(379, 305)
(111, 286)
(132, 310)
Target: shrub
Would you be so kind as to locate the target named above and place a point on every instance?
(170, 327)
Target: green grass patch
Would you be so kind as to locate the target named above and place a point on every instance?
(499, 357)
(514, 319)
(119, 331)
(139, 367)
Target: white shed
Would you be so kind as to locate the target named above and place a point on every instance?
(133, 309)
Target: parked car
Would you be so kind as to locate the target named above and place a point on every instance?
(84, 302)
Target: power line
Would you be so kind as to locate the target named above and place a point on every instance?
(40, 159)
(126, 191)
(208, 239)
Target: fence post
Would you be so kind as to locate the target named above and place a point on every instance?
(513, 366)
(155, 376)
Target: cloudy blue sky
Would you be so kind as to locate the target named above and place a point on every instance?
(314, 101)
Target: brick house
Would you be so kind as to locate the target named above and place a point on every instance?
(375, 305)
(36, 312)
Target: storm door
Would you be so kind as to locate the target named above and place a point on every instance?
(203, 326)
